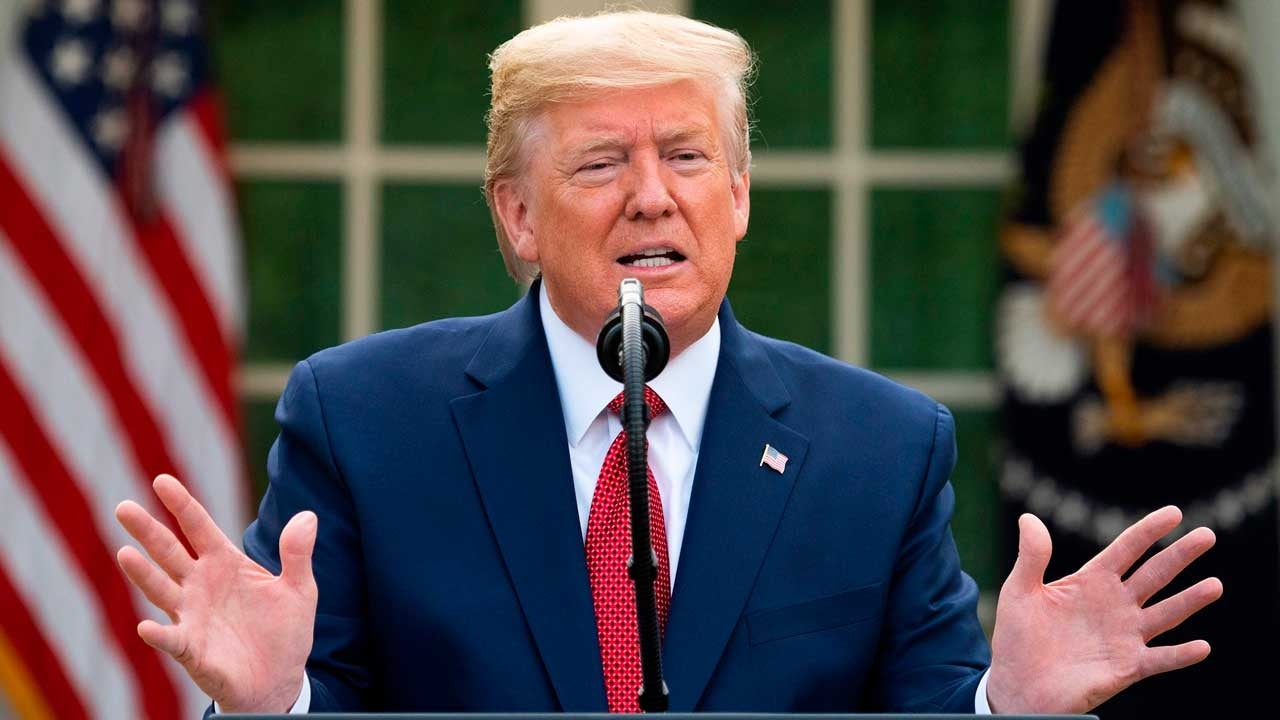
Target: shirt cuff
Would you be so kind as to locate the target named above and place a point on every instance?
(980, 704)
(300, 706)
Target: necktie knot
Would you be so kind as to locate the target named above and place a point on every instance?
(656, 404)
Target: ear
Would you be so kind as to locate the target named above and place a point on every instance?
(741, 204)
(513, 213)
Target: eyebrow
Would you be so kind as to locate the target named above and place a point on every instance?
(596, 144)
(621, 142)
(685, 134)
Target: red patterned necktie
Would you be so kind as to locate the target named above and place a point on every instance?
(608, 548)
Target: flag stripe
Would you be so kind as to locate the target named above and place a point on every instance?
(1078, 248)
(194, 189)
(66, 612)
(66, 183)
(67, 402)
(42, 688)
(64, 504)
(17, 686)
(156, 242)
(67, 291)
(117, 336)
(1085, 296)
(1069, 283)
(64, 395)
(206, 109)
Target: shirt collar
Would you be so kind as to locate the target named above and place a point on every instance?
(585, 389)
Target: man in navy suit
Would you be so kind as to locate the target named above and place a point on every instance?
(436, 536)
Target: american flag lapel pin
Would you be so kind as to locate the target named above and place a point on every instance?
(773, 459)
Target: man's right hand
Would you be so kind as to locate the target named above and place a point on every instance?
(242, 633)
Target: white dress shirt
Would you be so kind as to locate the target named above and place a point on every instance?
(674, 436)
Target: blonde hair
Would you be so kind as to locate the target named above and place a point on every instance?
(574, 58)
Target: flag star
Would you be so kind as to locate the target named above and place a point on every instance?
(178, 17)
(118, 68)
(169, 75)
(110, 128)
(80, 11)
(70, 61)
(128, 14)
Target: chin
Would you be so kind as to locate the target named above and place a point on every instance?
(680, 310)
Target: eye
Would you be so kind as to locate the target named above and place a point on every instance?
(597, 165)
(686, 156)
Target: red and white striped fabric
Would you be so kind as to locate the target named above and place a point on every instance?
(1101, 279)
(120, 306)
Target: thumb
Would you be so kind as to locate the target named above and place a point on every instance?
(297, 542)
(1034, 549)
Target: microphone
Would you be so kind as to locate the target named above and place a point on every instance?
(633, 348)
(655, 347)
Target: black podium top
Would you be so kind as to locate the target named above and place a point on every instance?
(667, 715)
(670, 716)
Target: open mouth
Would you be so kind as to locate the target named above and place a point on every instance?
(652, 258)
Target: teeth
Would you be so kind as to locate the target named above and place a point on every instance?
(652, 262)
(656, 251)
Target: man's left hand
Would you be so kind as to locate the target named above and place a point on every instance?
(1067, 646)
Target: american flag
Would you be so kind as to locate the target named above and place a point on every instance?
(1101, 280)
(773, 458)
(120, 305)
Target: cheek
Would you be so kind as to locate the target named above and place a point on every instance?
(713, 222)
(579, 222)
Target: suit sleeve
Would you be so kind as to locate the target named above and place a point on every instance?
(305, 475)
(934, 650)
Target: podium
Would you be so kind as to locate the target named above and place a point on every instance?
(667, 715)
(670, 716)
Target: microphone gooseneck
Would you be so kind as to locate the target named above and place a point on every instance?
(633, 348)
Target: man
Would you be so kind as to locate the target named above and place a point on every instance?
(436, 470)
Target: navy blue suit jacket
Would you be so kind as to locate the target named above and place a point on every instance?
(450, 559)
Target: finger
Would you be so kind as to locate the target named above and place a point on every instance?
(1125, 550)
(1157, 660)
(159, 588)
(201, 531)
(297, 542)
(1034, 549)
(1171, 612)
(159, 542)
(1160, 570)
(168, 639)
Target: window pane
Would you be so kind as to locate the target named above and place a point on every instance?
(293, 250)
(940, 74)
(791, 97)
(934, 277)
(436, 69)
(439, 255)
(977, 524)
(280, 68)
(781, 278)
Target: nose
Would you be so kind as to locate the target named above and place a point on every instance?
(648, 197)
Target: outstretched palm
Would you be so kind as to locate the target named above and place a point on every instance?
(1067, 646)
(242, 633)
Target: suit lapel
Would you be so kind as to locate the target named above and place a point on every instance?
(513, 434)
(734, 510)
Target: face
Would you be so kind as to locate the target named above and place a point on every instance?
(635, 183)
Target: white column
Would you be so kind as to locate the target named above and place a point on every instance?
(1261, 20)
(362, 117)
(1029, 26)
(537, 11)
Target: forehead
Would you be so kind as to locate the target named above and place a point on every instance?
(677, 111)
